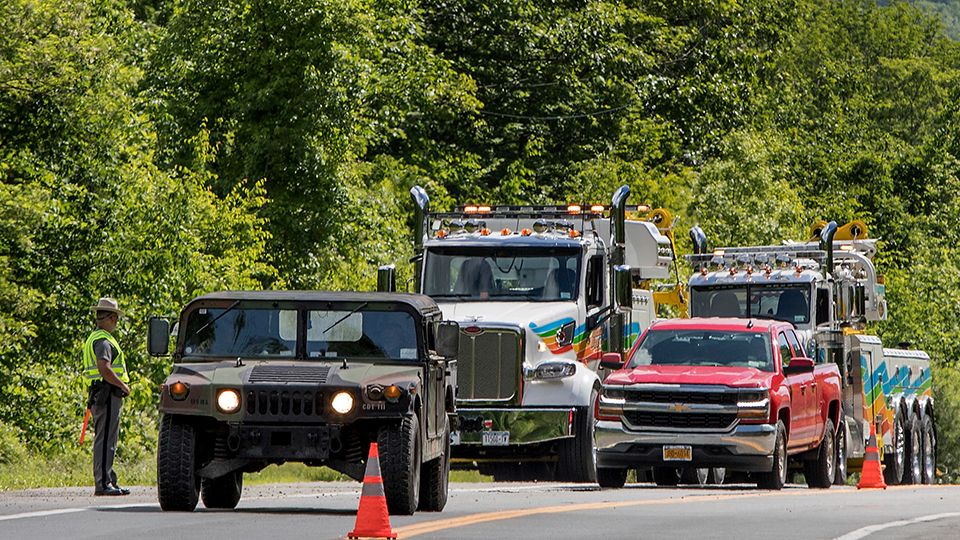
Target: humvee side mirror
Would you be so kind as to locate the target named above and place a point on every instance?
(623, 287)
(387, 278)
(158, 336)
(447, 340)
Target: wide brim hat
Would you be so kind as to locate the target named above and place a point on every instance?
(107, 304)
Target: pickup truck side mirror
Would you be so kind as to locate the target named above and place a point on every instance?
(611, 360)
(799, 364)
(448, 339)
(158, 336)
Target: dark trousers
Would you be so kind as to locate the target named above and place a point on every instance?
(106, 424)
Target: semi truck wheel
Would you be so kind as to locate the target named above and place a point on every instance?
(611, 478)
(840, 476)
(929, 439)
(912, 473)
(436, 479)
(223, 492)
(820, 472)
(777, 477)
(893, 463)
(578, 455)
(178, 486)
(666, 476)
(399, 446)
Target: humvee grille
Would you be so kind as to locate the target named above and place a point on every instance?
(274, 403)
(292, 374)
(489, 364)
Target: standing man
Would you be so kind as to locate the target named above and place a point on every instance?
(104, 366)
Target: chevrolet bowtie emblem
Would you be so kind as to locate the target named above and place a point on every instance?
(679, 407)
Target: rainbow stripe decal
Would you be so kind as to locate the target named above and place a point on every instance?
(586, 347)
(875, 400)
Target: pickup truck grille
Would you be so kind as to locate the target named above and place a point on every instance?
(488, 367)
(643, 419)
(699, 398)
(274, 404)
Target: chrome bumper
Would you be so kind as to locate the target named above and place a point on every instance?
(747, 447)
(528, 428)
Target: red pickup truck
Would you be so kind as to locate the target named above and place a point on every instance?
(720, 394)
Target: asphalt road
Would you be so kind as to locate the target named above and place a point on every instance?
(503, 511)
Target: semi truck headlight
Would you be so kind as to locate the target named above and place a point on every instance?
(342, 402)
(228, 400)
(551, 370)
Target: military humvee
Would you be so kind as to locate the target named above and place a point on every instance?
(313, 377)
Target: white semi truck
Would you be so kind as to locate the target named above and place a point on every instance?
(828, 287)
(534, 289)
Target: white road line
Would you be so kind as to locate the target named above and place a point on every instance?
(866, 531)
(59, 511)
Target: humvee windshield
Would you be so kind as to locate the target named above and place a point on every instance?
(255, 332)
(704, 348)
(789, 303)
(533, 274)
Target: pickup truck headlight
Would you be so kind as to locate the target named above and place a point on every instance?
(551, 370)
(753, 405)
(610, 404)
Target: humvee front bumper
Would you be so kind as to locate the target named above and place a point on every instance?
(283, 442)
(486, 432)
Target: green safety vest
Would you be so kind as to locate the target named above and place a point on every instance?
(119, 364)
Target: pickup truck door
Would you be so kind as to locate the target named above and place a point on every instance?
(799, 385)
(814, 392)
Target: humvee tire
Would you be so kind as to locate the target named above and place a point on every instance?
(436, 478)
(178, 486)
(399, 446)
(222, 492)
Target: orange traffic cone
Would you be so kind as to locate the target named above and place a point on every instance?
(373, 519)
(871, 476)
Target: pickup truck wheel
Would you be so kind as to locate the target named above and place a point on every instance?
(777, 477)
(717, 475)
(894, 461)
(611, 478)
(400, 465)
(840, 476)
(178, 486)
(929, 440)
(223, 492)
(578, 455)
(820, 472)
(912, 473)
(436, 477)
(666, 476)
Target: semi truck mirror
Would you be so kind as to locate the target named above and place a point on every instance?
(448, 339)
(158, 336)
(387, 278)
(623, 287)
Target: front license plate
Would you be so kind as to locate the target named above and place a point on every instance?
(678, 453)
(496, 438)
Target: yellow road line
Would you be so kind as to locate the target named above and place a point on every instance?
(427, 527)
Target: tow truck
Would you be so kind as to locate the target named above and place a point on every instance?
(540, 293)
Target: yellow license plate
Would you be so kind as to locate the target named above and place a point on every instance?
(678, 453)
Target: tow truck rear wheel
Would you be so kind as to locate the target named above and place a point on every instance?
(820, 472)
(777, 477)
(895, 461)
(436, 476)
(178, 485)
(913, 473)
(611, 478)
(666, 476)
(578, 455)
(223, 492)
(400, 465)
(840, 476)
(929, 450)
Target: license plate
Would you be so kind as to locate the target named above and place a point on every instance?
(496, 438)
(454, 438)
(678, 453)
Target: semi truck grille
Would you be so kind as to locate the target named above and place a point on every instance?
(699, 398)
(489, 363)
(643, 419)
(284, 403)
(289, 374)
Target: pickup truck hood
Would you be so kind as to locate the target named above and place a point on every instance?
(737, 377)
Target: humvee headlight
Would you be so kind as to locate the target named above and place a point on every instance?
(392, 392)
(228, 400)
(179, 390)
(342, 402)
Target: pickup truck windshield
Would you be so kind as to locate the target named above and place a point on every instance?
(272, 333)
(789, 303)
(506, 274)
(704, 348)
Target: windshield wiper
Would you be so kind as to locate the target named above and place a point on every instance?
(213, 320)
(345, 317)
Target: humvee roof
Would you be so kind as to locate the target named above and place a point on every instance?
(421, 303)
